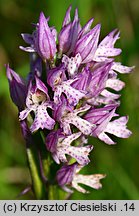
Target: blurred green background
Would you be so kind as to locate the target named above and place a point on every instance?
(120, 162)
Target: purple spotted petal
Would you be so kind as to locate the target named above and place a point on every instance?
(89, 180)
(110, 39)
(115, 84)
(42, 119)
(106, 47)
(23, 114)
(117, 66)
(107, 52)
(73, 95)
(109, 95)
(72, 118)
(105, 138)
(79, 153)
(118, 127)
(72, 64)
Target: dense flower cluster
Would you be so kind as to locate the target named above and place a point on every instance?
(74, 96)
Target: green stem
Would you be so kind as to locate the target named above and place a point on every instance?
(38, 185)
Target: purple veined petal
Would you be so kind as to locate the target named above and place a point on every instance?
(37, 93)
(87, 44)
(68, 35)
(86, 28)
(67, 18)
(61, 108)
(28, 38)
(115, 84)
(99, 78)
(28, 49)
(83, 80)
(75, 28)
(35, 67)
(54, 32)
(68, 175)
(110, 39)
(63, 38)
(117, 66)
(17, 88)
(52, 139)
(72, 64)
(118, 128)
(65, 174)
(56, 76)
(42, 119)
(105, 121)
(109, 95)
(41, 86)
(45, 42)
(98, 115)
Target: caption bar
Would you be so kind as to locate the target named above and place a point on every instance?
(89, 207)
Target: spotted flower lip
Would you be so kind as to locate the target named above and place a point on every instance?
(69, 175)
(106, 47)
(102, 118)
(72, 64)
(64, 147)
(18, 89)
(38, 101)
(73, 118)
